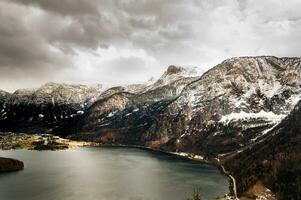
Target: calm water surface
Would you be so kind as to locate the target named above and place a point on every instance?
(108, 174)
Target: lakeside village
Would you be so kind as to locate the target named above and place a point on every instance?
(10, 141)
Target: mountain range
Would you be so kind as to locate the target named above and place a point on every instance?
(243, 112)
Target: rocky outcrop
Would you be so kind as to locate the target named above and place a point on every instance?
(9, 164)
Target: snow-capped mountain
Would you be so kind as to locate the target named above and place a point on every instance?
(236, 97)
(134, 111)
(49, 104)
(58, 93)
(235, 106)
(174, 74)
(54, 103)
(238, 94)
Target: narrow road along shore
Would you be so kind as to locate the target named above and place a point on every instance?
(234, 188)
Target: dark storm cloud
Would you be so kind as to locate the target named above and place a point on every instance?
(97, 40)
(64, 7)
(20, 45)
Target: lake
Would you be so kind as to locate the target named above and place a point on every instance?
(108, 174)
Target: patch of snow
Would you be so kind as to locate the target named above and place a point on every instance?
(136, 109)
(80, 112)
(245, 116)
(268, 89)
(191, 156)
(261, 198)
(250, 92)
(181, 154)
(192, 71)
(294, 99)
(106, 124)
(41, 116)
(111, 114)
(265, 132)
(199, 157)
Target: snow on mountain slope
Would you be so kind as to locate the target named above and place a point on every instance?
(58, 93)
(123, 107)
(173, 74)
(264, 79)
(248, 84)
(54, 102)
(274, 162)
(46, 106)
(234, 106)
(226, 119)
(168, 86)
(261, 89)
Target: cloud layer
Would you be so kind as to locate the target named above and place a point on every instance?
(128, 41)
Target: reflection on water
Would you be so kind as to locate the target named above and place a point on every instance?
(108, 174)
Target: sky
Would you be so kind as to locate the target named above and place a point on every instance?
(117, 42)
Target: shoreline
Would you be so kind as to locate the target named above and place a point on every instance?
(189, 156)
(232, 182)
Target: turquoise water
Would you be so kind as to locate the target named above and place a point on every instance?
(108, 174)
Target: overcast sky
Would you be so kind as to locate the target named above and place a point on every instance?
(127, 41)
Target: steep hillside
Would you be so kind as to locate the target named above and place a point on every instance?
(56, 108)
(274, 161)
(46, 107)
(126, 115)
(230, 106)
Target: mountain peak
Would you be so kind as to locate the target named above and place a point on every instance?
(179, 71)
(172, 69)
